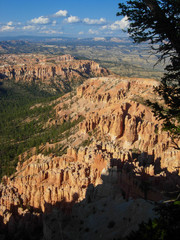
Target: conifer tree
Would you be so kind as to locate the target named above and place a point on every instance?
(158, 23)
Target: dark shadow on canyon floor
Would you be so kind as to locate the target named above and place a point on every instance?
(29, 223)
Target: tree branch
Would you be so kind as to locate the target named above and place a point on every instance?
(164, 22)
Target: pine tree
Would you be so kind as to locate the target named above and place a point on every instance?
(158, 23)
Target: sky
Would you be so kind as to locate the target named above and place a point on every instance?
(61, 18)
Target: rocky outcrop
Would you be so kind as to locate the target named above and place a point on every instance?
(127, 155)
(39, 68)
(42, 180)
(128, 122)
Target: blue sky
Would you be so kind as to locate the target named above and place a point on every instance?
(63, 18)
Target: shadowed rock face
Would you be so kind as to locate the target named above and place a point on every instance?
(129, 155)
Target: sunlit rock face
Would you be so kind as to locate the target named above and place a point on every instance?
(43, 69)
(127, 155)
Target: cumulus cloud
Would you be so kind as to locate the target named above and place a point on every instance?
(94, 21)
(72, 19)
(81, 33)
(122, 24)
(61, 13)
(29, 27)
(91, 31)
(99, 39)
(10, 23)
(54, 23)
(40, 20)
(6, 28)
(117, 25)
(104, 27)
(51, 32)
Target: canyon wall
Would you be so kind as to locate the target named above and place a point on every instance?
(127, 132)
(119, 150)
(51, 180)
(39, 68)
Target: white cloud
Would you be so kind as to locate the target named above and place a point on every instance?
(122, 24)
(42, 28)
(72, 19)
(99, 39)
(54, 23)
(94, 21)
(104, 27)
(6, 28)
(10, 23)
(61, 13)
(51, 32)
(81, 33)
(29, 27)
(91, 31)
(40, 20)
(117, 25)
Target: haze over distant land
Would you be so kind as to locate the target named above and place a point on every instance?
(62, 18)
(117, 54)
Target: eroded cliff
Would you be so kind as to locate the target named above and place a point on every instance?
(47, 69)
(119, 147)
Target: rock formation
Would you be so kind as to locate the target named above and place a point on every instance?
(42, 180)
(127, 155)
(43, 69)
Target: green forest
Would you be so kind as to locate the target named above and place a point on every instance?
(24, 110)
